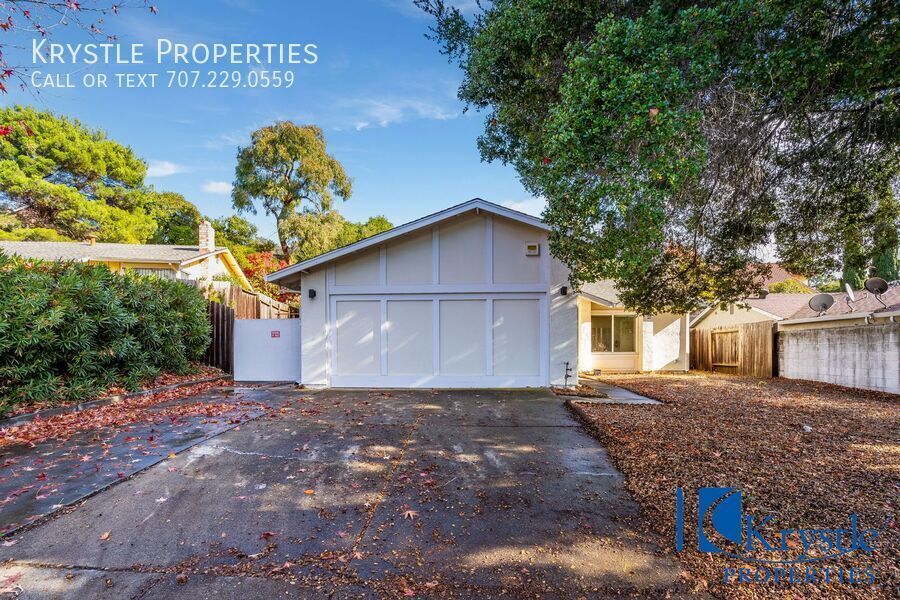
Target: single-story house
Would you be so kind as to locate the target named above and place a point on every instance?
(466, 297)
(865, 309)
(765, 307)
(202, 262)
(792, 311)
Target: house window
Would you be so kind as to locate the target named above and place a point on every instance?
(601, 334)
(164, 273)
(613, 333)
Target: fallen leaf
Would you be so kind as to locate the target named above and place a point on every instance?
(309, 492)
(105, 536)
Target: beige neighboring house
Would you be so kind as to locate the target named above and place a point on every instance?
(467, 297)
(202, 262)
(792, 311)
(765, 307)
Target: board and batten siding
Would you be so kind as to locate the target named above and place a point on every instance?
(472, 269)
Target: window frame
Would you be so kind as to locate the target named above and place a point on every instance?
(613, 333)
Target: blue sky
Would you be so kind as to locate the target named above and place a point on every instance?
(381, 91)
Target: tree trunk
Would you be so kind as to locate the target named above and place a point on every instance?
(286, 211)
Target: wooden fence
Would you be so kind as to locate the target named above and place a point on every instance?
(748, 349)
(251, 305)
(220, 353)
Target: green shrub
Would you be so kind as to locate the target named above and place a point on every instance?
(70, 330)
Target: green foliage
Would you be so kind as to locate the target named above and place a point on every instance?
(310, 233)
(241, 237)
(285, 167)
(886, 239)
(674, 140)
(829, 285)
(33, 234)
(65, 177)
(789, 286)
(68, 331)
(177, 220)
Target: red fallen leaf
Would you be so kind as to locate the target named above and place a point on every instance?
(42, 477)
(120, 475)
(12, 578)
(267, 535)
(545, 160)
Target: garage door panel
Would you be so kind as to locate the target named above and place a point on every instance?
(516, 337)
(463, 343)
(445, 340)
(358, 337)
(410, 337)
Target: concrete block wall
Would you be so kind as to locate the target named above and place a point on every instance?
(861, 356)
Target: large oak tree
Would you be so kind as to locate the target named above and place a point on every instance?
(675, 140)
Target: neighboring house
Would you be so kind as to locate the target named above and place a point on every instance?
(778, 274)
(792, 311)
(765, 307)
(865, 309)
(201, 262)
(466, 297)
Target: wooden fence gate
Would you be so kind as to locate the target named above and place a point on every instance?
(748, 349)
(220, 353)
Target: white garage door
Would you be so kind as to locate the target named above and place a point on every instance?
(439, 341)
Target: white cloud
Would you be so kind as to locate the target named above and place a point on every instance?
(163, 168)
(361, 113)
(217, 187)
(532, 206)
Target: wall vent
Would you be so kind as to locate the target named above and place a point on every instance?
(532, 249)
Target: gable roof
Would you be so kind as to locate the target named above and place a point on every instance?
(774, 306)
(181, 255)
(865, 303)
(99, 251)
(602, 292)
(476, 204)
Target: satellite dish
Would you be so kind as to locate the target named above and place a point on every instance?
(850, 296)
(821, 303)
(876, 285)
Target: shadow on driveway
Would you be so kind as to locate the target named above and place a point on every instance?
(360, 494)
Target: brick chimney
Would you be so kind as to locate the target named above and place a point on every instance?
(207, 237)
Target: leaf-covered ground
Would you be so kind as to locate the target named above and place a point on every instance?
(810, 454)
(198, 372)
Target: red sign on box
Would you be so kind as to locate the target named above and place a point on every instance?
(276, 334)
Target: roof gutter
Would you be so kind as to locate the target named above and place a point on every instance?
(843, 317)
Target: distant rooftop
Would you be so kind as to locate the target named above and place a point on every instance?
(122, 252)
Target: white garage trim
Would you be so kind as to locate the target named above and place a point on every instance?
(436, 378)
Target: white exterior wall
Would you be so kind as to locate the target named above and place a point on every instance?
(260, 355)
(670, 343)
(452, 266)
(315, 347)
(564, 326)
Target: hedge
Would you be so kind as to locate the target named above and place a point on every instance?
(69, 331)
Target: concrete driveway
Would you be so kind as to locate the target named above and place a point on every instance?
(349, 494)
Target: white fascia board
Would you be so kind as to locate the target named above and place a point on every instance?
(600, 300)
(422, 223)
